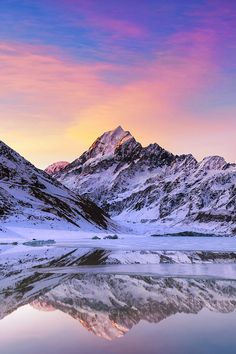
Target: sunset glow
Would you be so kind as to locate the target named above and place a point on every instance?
(72, 69)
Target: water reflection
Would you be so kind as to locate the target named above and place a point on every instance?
(110, 305)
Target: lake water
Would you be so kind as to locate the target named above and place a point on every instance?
(69, 313)
(162, 270)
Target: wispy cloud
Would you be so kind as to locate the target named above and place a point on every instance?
(58, 102)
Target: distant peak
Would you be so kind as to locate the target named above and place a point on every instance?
(56, 167)
(212, 163)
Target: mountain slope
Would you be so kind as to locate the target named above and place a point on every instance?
(29, 194)
(150, 185)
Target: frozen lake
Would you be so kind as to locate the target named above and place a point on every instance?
(134, 242)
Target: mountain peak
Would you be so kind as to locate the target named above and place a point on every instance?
(108, 142)
(115, 134)
(119, 130)
(212, 163)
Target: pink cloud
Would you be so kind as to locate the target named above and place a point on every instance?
(155, 105)
(54, 107)
(45, 78)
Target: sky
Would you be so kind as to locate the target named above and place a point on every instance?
(163, 69)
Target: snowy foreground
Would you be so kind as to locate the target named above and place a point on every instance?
(17, 251)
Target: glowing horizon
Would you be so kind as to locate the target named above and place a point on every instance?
(71, 70)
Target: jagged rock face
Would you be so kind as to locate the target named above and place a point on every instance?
(29, 194)
(151, 185)
(56, 167)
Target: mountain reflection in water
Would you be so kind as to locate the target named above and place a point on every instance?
(110, 305)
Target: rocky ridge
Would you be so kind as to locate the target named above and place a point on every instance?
(153, 187)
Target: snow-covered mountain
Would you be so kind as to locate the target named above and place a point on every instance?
(154, 187)
(56, 167)
(29, 194)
